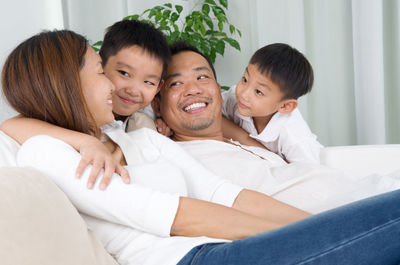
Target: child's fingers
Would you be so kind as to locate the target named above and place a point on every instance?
(94, 173)
(109, 169)
(123, 173)
(81, 166)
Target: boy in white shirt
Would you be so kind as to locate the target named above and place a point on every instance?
(264, 104)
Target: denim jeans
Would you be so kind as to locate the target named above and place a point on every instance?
(363, 232)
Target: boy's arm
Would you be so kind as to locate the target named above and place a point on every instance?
(93, 151)
(232, 131)
(163, 128)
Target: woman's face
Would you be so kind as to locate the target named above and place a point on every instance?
(97, 88)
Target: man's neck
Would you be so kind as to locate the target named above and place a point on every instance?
(180, 137)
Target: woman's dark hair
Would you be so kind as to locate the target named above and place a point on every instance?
(40, 80)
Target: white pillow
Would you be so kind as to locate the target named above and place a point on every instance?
(8, 150)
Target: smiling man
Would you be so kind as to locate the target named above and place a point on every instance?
(190, 104)
(193, 96)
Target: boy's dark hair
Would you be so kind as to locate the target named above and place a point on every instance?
(285, 66)
(182, 46)
(127, 33)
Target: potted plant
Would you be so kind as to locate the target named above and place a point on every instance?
(205, 26)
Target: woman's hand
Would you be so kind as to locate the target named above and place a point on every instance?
(94, 152)
(163, 128)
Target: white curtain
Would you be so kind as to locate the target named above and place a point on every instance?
(353, 47)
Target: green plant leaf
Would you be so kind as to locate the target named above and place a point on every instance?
(239, 32)
(174, 17)
(205, 9)
(209, 22)
(233, 43)
(158, 16)
(231, 28)
(166, 14)
(222, 18)
(98, 43)
(225, 87)
(174, 36)
(212, 56)
(218, 11)
(211, 2)
(134, 17)
(178, 8)
(224, 3)
(168, 5)
(220, 47)
(189, 22)
(202, 29)
(153, 12)
(220, 26)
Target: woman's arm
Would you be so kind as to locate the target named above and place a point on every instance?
(92, 150)
(136, 206)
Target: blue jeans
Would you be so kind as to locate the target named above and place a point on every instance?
(364, 232)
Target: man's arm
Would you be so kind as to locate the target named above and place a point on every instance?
(231, 131)
(92, 150)
(263, 206)
(201, 218)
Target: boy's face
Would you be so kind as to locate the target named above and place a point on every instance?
(136, 76)
(257, 95)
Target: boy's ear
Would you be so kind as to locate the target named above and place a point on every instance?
(155, 104)
(160, 85)
(287, 106)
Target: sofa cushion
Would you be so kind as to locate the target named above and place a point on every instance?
(38, 224)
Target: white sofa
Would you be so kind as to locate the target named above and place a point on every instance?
(38, 225)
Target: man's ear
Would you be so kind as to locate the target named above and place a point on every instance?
(287, 106)
(155, 104)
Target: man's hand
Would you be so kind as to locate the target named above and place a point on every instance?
(163, 128)
(94, 152)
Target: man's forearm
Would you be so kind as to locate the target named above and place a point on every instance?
(261, 205)
(201, 218)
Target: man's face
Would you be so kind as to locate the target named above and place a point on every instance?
(191, 97)
(136, 76)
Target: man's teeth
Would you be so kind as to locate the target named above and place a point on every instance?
(195, 106)
(109, 101)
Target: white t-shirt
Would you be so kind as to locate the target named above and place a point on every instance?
(287, 135)
(307, 186)
(133, 221)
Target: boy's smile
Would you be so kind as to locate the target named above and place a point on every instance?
(136, 76)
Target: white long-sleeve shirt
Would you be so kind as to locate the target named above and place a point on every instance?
(133, 221)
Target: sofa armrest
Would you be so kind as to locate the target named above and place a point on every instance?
(361, 160)
(39, 225)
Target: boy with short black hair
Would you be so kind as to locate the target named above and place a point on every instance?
(135, 57)
(264, 104)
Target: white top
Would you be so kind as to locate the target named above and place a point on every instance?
(308, 186)
(287, 135)
(133, 221)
